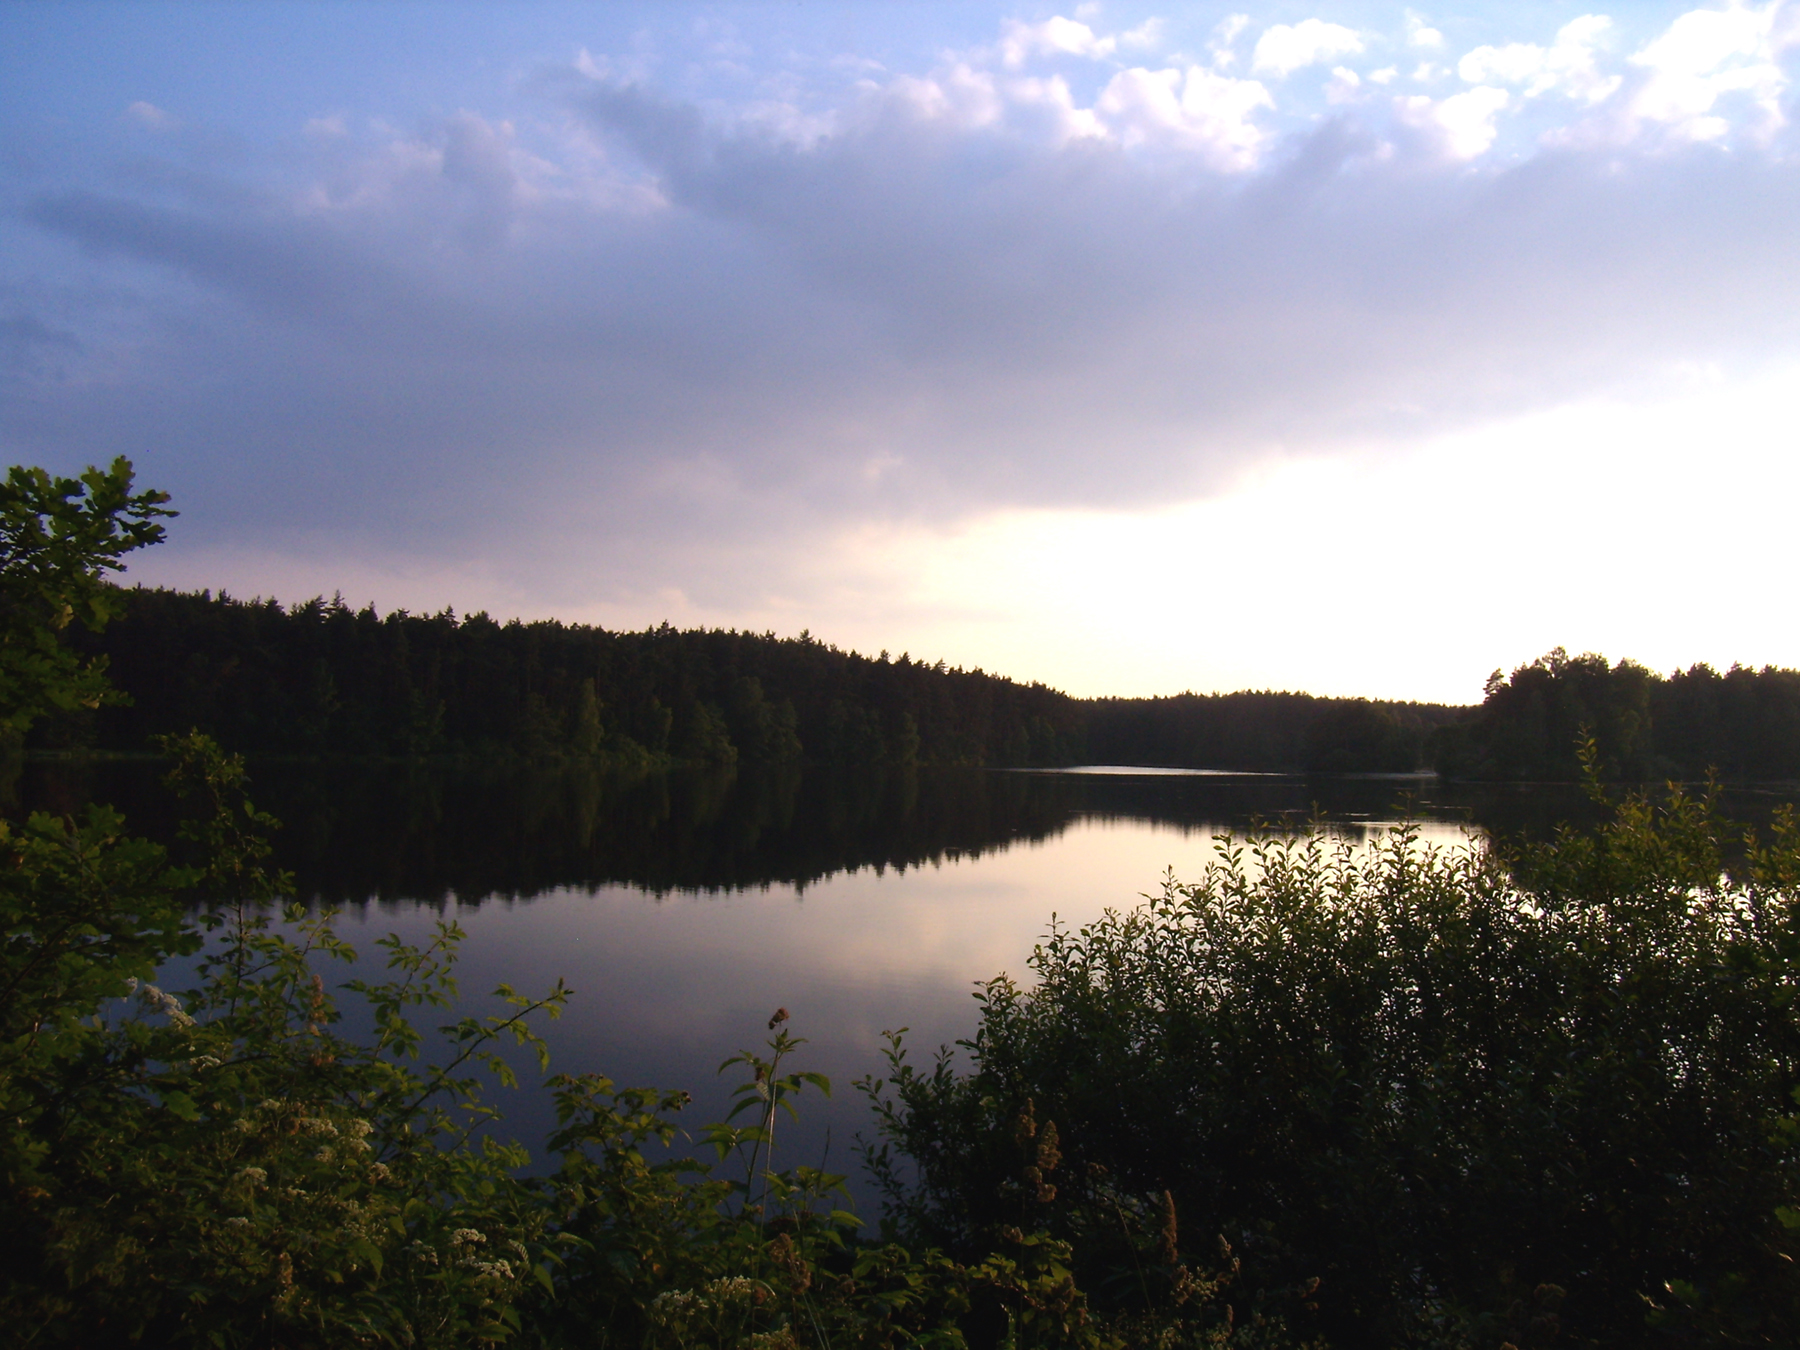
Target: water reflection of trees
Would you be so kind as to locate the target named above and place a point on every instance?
(397, 832)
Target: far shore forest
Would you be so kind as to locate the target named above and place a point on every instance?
(322, 678)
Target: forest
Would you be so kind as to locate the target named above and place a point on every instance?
(1741, 725)
(321, 678)
(324, 679)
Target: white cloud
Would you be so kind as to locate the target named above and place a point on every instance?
(1344, 86)
(1421, 34)
(1705, 56)
(1224, 38)
(1060, 36)
(1463, 123)
(1145, 36)
(1054, 36)
(1202, 110)
(962, 95)
(1514, 63)
(1285, 48)
(149, 115)
(1051, 100)
(1567, 66)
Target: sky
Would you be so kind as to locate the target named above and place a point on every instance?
(1130, 348)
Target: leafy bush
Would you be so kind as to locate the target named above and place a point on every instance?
(1479, 1095)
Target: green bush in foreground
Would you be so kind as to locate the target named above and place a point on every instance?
(1480, 1095)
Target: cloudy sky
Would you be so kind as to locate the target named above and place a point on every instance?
(1132, 348)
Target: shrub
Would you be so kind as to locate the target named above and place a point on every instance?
(1479, 1094)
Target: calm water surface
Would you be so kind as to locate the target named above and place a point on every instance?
(684, 908)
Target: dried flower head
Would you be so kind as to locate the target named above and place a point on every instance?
(1171, 1254)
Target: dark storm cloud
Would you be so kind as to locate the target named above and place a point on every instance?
(731, 335)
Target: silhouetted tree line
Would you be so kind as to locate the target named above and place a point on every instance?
(1743, 724)
(1265, 730)
(323, 678)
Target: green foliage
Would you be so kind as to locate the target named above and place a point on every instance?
(58, 538)
(1437, 1081)
(589, 731)
(1744, 723)
(223, 1166)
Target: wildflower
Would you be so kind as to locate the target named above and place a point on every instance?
(324, 1155)
(378, 1173)
(155, 1000)
(237, 1221)
(359, 1129)
(254, 1175)
(470, 1236)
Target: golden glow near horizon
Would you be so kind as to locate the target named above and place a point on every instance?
(1385, 573)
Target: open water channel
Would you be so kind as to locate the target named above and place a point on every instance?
(684, 908)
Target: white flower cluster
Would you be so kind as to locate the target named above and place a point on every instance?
(672, 1308)
(154, 1000)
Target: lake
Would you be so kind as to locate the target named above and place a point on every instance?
(684, 908)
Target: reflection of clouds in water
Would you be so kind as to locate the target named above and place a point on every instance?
(667, 988)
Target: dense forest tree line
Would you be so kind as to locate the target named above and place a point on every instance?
(1742, 724)
(1265, 730)
(323, 678)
